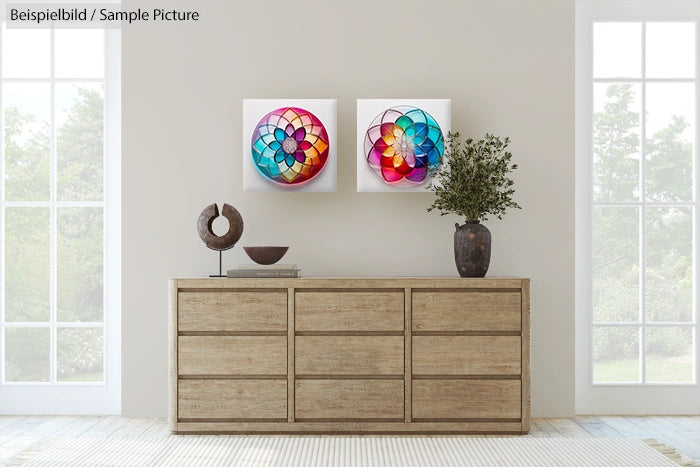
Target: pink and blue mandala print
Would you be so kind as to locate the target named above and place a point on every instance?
(404, 146)
(289, 146)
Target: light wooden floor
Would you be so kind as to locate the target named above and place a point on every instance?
(17, 433)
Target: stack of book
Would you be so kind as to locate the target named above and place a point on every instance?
(262, 270)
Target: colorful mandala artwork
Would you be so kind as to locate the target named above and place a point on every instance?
(289, 146)
(404, 145)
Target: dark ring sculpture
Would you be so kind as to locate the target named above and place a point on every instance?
(229, 239)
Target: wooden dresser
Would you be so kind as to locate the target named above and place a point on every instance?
(350, 355)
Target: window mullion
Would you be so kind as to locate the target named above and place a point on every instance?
(642, 211)
(2, 221)
(696, 230)
(53, 218)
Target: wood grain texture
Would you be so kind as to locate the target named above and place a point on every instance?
(349, 311)
(352, 283)
(172, 354)
(466, 355)
(349, 399)
(290, 354)
(232, 311)
(232, 355)
(525, 372)
(359, 428)
(347, 355)
(408, 306)
(350, 355)
(232, 399)
(460, 399)
(466, 311)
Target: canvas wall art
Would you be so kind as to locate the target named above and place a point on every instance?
(289, 145)
(400, 142)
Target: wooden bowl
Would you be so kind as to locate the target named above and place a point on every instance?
(265, 254)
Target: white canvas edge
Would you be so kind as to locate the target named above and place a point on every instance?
(367, 110)
(325, 109)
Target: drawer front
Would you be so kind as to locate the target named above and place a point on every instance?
(349, 355)
(232, 355)
(240, 399)
(232, 311)
(349, 311)
(349, 399)
(460, 399)
(466, 311)
(466, 355)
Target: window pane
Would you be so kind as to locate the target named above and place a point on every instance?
(80, 354)
(616, 147)
(615, 264)
(18, 45)
(617, 50)
(79, 145)
(670, 50)
(669, 355)
(670, 129)
(669, 264)
(79, 268)
(616, 355)
(27, 244)
(79, 53)
(27, 354)
(26, 118)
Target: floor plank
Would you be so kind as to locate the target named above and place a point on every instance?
(133, 428)
(158, 429)
(43, 430)
(568, 428)
(22, 424)
(539, 428)
(78, 427)
(625, 427)
(7, 420)
(666, 433)
(105, 427)
(597, 428)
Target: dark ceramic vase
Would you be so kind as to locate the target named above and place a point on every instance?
(472, 249)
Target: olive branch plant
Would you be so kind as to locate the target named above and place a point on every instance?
(475, 181)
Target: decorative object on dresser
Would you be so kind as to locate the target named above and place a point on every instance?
(289, 144)
(223, 242)
(400, 142)
(265, 254)
(474, 183)
(273, 270)
(355, 355)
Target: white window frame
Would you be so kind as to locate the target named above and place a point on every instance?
(629, 398)
(80, 398)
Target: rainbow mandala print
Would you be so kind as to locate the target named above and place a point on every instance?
(404, 145)
(289, 146)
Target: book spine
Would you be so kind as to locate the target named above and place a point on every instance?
(267, 267)
(257, 273)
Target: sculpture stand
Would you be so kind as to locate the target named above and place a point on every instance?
(221, 252)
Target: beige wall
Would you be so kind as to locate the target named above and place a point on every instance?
(507, 65)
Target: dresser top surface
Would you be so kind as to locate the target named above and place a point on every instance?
(354, 282)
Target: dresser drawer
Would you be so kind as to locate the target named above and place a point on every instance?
(232, 355)
(227, 399)
(349, 355)
(460, 399)
(349, 399)
(466, 355)
(465, 311)
(232, 311)
(349, 311)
